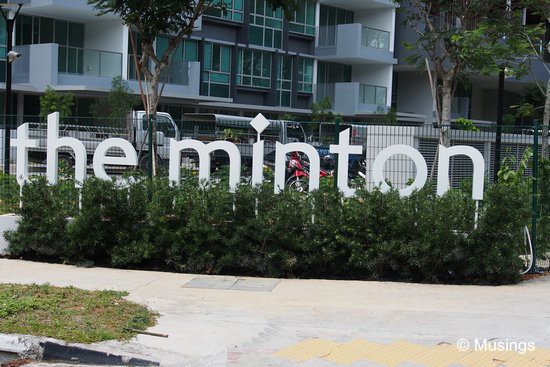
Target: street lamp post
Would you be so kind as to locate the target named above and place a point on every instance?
(10, 22)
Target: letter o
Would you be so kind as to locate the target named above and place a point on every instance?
(417, 158)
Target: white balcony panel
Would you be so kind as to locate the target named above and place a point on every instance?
(75, 10)
(360, 4)
(354, 44)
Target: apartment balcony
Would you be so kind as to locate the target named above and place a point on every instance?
(78, 69)
(350, 99)
(181, 79)
(76, 10)
(68, 68)
(354, 44)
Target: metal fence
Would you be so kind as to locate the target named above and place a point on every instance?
(373, 137)
(399, 170)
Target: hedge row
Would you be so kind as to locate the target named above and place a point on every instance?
(152, 225)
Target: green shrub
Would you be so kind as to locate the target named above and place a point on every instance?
(544, 204)
(492, 250)
(109, 227)
(9, 194)
(42, 228)
(375, 235)
(274, 242)
(201, 241)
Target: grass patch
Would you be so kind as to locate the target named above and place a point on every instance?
(71, 314)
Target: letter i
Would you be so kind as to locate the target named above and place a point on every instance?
(259, 123)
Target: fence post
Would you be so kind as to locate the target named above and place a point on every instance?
(534, 196)
(336, 141)
(150, 121)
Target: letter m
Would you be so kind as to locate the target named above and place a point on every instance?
(203, 150)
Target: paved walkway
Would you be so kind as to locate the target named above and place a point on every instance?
(228, 321)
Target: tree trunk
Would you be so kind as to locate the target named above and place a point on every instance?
(546, 121)
(446, 102)
(153, 100)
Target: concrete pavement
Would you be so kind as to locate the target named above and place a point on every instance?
(224, 321)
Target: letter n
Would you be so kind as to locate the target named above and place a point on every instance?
(443, 169)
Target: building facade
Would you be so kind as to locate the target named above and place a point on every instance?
(247, 60)
(477, 99)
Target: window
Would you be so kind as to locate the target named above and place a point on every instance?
(233, 11)
(68, 35)
(217, 70)
(304, 19)
(372, 94)
(333, 73)
(177, 72)
(305, 75)
(254, 68)
(132, 71)
(266, 25)
(187, 50)
(31, 30)
(328, 74)
(284, 81)
(330, 18)
(163, 124)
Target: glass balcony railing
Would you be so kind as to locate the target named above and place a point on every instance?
(79, 61)
(372, 94)
(176, 73)
(376, 38)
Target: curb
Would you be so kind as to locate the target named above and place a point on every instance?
(51, 350)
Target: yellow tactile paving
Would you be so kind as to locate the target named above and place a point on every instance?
(308, 349)
(393, 355)
(485, 358)
(522, 360)
(396, 353)
(439, 356)
(353, 351)
(540, 356)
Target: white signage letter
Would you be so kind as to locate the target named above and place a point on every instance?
(443, 169)
(259, 123)
(384, 155)
(204, 151)
(23, 143)
(54, 143)
(281, 151)
(101, 159)
(343, 149)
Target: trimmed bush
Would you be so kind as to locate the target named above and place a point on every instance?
(423, 238)
(42, 231)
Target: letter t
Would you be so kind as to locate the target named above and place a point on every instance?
(344, 150)
(23, 143)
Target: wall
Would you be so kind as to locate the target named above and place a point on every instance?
(380, 75)
(106, 35)
(414, 94)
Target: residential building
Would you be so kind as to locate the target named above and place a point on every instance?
(476, 100)
(249, 59)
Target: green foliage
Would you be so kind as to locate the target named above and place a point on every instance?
(42, 229)
(544, 202)
(465, 124)
(9, 194)
(375, 235)
(71, 314)
(53, 101)
(117, 103)
(463, 38)
(321, 111)
(508, 119)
